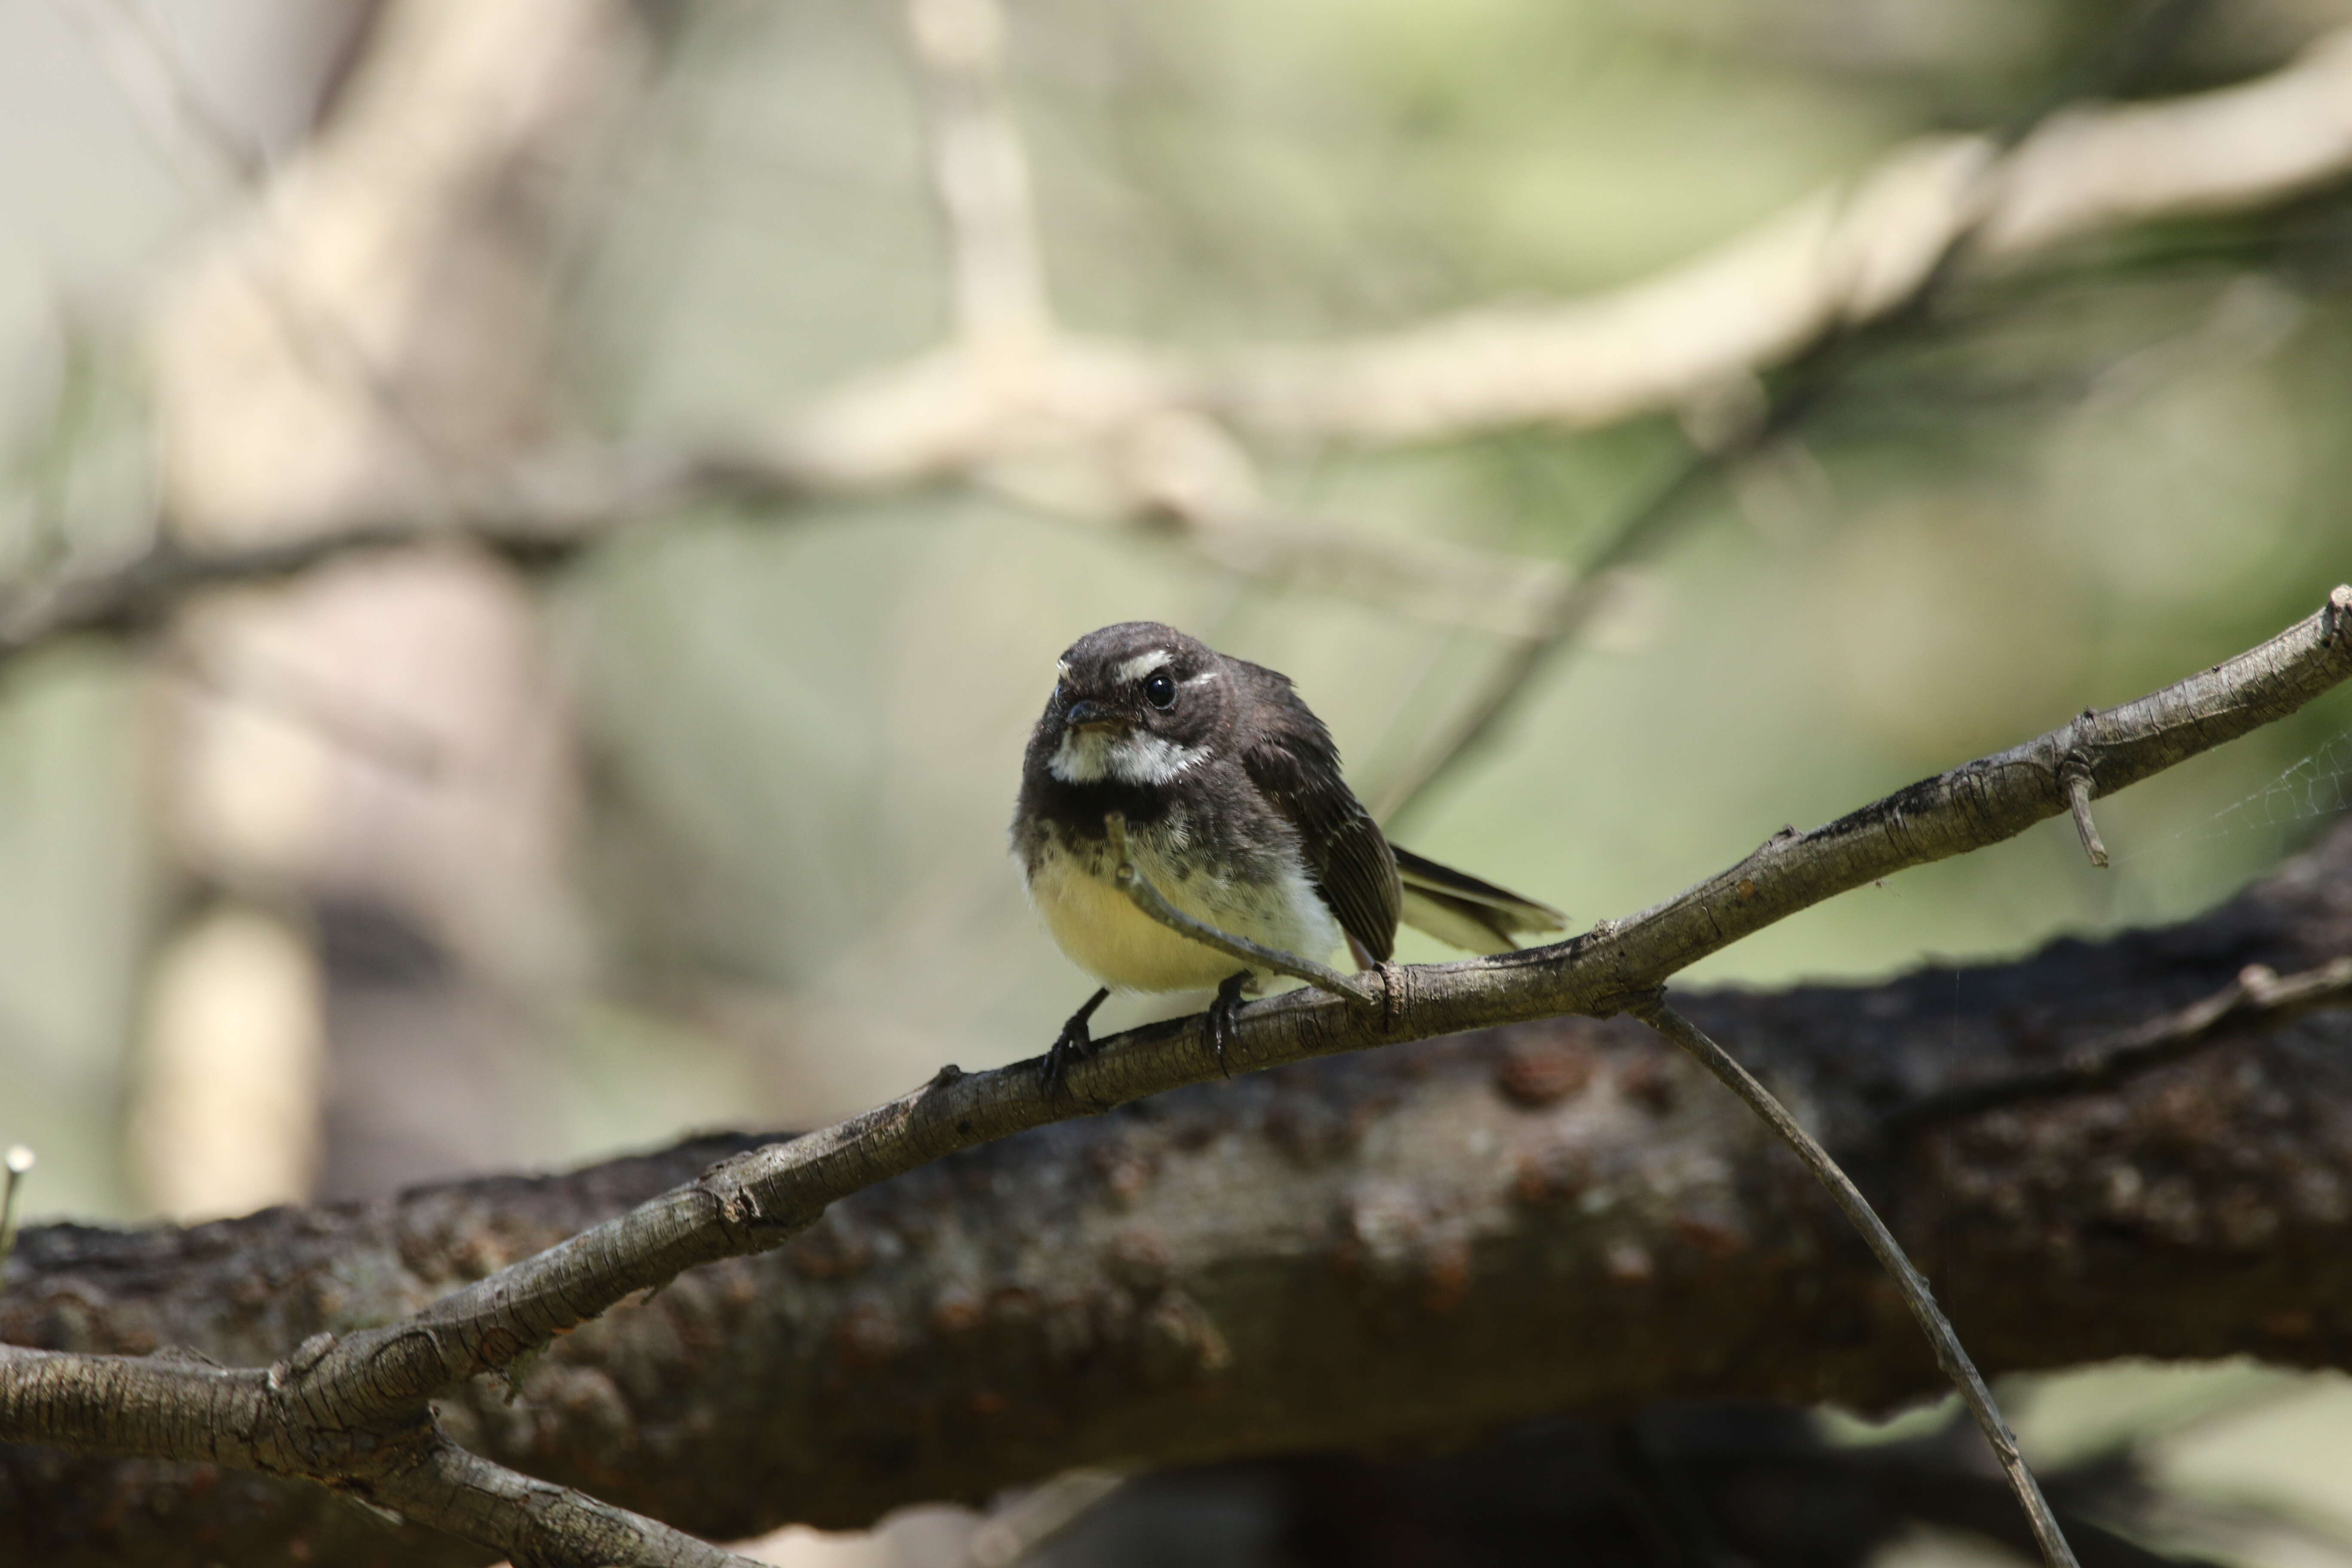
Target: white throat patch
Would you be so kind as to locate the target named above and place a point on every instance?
(1090, 756)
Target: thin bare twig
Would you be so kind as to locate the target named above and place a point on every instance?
(1908, 1281)
(546, 510)
(538, 1523)
(1482, 717)
(1151, 902)
(541, 510)
(2078, 801)
(2258, 998)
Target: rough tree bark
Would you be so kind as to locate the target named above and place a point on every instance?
(1401, 1249)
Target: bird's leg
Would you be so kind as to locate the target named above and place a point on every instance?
(1074, 1041)
(1224, 1024)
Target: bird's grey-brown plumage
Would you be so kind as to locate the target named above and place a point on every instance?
(1236, 811)
(1290, 756)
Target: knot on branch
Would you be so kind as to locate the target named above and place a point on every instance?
(1396, 992)
(747, 1221)
(294, 1436)
(739, 1206)
(284, 1374)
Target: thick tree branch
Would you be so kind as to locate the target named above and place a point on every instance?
(156, 1405)
(375, 1377)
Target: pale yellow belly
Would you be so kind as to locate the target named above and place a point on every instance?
(1118, 944)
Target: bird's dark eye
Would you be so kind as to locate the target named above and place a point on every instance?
(1159, 689)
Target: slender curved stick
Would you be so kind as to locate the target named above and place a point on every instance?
(1151, 902)
(1949, 1355)
(1641, 529)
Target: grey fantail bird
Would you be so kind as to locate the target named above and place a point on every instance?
(1236, 811)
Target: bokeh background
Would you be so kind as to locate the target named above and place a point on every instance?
(455, 859)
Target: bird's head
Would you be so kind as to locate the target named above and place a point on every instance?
(1137, 703)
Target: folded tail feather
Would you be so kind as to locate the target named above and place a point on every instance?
(1466, 912)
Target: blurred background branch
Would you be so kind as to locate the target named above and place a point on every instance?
(980, 174)
(1095, 426)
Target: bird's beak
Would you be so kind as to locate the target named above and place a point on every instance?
(1087, 714)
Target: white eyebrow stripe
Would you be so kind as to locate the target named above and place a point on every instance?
(1141, 665)
(1062, 669)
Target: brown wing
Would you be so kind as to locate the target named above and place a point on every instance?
(1290, 757)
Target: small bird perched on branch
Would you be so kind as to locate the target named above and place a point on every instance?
(1234, 811)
